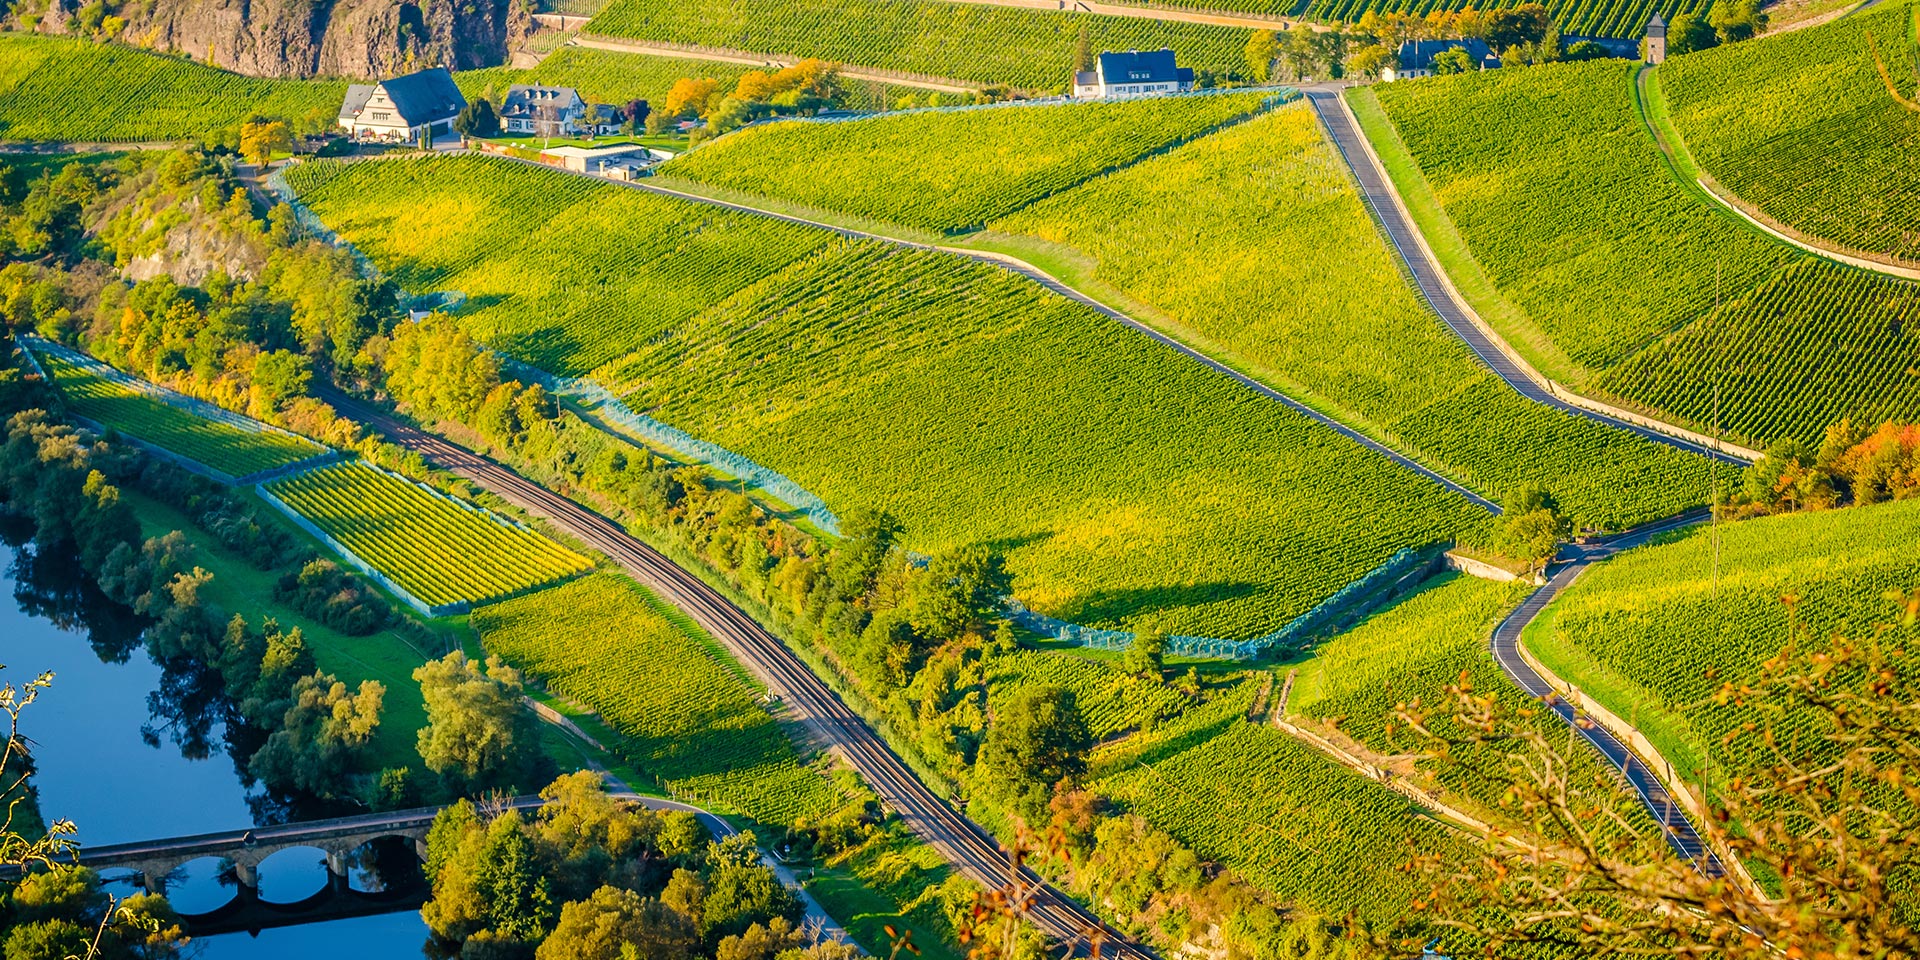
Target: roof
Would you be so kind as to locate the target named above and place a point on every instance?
(357, 96)
(1086, 78)
(1657, 23)
(1136, 66)
(429, 96)
(523, 98)
(1419, 54)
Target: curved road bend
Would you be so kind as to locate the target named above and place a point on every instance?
(1048, 281)
(1671, 817)
(969, 848)
(1372, 181)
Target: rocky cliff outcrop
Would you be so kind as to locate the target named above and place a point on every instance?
(304, 38)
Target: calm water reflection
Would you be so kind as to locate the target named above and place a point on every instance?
(130, 752)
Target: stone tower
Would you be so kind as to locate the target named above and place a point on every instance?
(1657, 39)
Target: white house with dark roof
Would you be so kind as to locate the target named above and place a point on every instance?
(1416, 57)
(544, 111)
(400, 110)
(1132, 74)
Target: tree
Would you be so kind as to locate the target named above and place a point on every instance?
(1147, 656)
(478, 119)
(478, 735)
(688, 98)
(323, 737)
(1829, 812)
(1037, 739)
(1372, 60)
(1262, 47)
(1736, 20)
(1586, 50)
(261, 139)
(1531, 525)
(1527, 23)
(279, 376)
(1453, 60)
(1082, 51)
(619, 924)
(761, 941)
(1689, 33)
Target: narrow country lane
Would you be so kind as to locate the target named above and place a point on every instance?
(962, 842)
(1645, 783)
(1433, 287)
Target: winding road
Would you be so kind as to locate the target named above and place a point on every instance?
(961, 841)
(1433, 287)
(1645, 783)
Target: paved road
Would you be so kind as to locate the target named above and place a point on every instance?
(1679, 831)
(1427, 277)
(957, 838)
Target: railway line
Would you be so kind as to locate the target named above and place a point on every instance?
(961, 841)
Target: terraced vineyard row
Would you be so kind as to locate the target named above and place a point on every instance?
(222, 446)
(559, 271)
(1653, 633)
(438, 550)
(1125, 477)
(1117, 476)
(1596, 18)
(1565, 201)
(54, 88)
(1192, 233)
(1111, 700)
(685, 718)
(950, 171)
(1031, 49)
(1814, 344)
(1803, 126)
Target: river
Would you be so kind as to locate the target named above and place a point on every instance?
(107, 762)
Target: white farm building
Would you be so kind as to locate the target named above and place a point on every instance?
(1132, 74)
(400, 110)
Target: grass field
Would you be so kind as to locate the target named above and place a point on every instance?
(1118, 477)
(558, 270)
(1192, 234)
(950, 171)
(1653, 633)
(1576, 240)
(1802, 126)
(436, 549)
(685, 716)
(1031, 49)
(54, 88)
(222, 446)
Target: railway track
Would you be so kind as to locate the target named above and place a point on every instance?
(961, 841)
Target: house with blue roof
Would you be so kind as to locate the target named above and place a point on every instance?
(1134, 73)
(403, 109)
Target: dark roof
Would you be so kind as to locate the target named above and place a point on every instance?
(1657, 23)
(1136, 66)
(429, 96)
(1419, 54)
(357, 96)
(1086, 78)
(523, 99)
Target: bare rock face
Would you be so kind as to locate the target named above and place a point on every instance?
(341, 38)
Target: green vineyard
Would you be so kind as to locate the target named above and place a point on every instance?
(950, 171)
(560, 271)
(1654, 633)
(1122, 477)
(221, 446)
(979, 44)
(1816, 343)
(1592, 18)
(1555, 183)
(1190, 233)
(76, 90)
(685, 718)
(1111, 700)
(440, 551)
(1803, 126)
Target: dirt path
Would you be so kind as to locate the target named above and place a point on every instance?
(757, 60)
